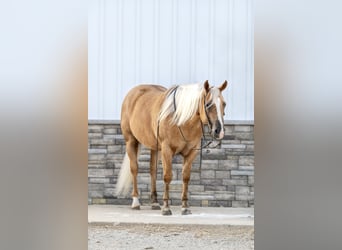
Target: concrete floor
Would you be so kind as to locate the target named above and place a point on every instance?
(114, 214)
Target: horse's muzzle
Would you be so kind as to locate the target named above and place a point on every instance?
(217, 131)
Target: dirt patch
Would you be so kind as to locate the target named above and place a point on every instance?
(163, 236)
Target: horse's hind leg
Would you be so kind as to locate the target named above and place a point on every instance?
(153, 172)
(132, 151)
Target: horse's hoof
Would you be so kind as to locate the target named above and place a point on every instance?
(155, 206)
(186, 211)
(166, 211)
(135, 203)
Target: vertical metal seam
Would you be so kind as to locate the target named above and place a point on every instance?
(135, 39)
(121, 44)
(117, 49)
(249, 67)
(117, 52)
(251, 85)
(98, 60)
(231, 57)
(252, 59)
(153, 52)
(138, 42)
(101, 59)
(104, 59)
(247, 62)
(212, 48)
(190, 40)
(209, 41)
(174, 41)
(156, 41)
(195, 39)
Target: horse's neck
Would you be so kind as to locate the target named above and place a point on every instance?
(193, 127)
(195, 124)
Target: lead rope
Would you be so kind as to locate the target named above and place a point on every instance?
(157, 147)
(202, 139)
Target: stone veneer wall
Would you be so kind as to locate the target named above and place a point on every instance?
(226, 177)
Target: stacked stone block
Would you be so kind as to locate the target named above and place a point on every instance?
(225, 176)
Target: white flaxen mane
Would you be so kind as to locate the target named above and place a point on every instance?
(186, 99)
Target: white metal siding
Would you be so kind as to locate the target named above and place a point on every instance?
(170, 42)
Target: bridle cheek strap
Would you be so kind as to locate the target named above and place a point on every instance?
(206, 113)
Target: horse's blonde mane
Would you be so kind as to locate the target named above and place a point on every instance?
(186, 99)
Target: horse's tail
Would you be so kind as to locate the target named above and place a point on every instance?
(125, 179)
(124, 182)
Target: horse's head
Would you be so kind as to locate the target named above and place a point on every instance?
(213, 109)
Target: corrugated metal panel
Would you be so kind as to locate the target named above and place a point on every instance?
(170, 42)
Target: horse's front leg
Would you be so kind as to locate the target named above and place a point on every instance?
(153, 172)
(188, 159)
(167, 172)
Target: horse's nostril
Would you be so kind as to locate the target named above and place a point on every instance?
(216, 131)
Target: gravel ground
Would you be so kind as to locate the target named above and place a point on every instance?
(152, 236)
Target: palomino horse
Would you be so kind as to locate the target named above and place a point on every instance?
(168, 122)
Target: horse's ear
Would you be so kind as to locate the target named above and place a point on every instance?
(223, 86)
(206, 86)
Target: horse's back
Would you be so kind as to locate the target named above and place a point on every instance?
(141, 94)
